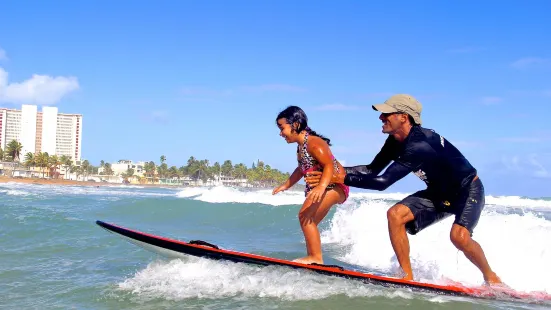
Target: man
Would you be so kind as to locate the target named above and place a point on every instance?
(453, 186)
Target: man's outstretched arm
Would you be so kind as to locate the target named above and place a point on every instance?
(371, 170)
(381, 160)
(394, 173)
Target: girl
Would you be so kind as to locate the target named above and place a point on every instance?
(313, 153)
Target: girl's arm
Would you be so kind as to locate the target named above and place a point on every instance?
(294, 178)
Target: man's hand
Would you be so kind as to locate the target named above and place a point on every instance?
(313, 178)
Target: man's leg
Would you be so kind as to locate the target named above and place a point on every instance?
(398, 216)
(412, 215)
(462, 240)
(465, 222)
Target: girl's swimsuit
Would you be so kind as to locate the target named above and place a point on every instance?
(308, 163)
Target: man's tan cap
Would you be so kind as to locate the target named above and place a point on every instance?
(401, 103)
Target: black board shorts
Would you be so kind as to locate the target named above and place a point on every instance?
(428, 210)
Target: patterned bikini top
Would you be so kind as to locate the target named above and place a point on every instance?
(307, 162)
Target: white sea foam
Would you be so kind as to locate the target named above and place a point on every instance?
(222, 194)
(200, 278)
(15, 192)
(517, 246)
(22, 189)
(233, 195)
(517, 201)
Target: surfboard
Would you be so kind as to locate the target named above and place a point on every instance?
(177, 248)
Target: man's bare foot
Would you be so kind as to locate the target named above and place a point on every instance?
(308, 260)
(400, 274)
(493, 279)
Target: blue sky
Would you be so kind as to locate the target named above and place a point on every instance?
(207, 79)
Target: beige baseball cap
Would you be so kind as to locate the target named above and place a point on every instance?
(401, 103)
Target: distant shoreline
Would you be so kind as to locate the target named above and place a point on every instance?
(4, 179)
(62, 182)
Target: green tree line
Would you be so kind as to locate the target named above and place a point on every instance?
(258, 174)
(49, 165)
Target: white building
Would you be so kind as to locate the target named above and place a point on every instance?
(28, 129)
(122, 166)
(47, 131)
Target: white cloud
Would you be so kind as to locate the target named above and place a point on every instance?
(529, 62)
(541, 136)
(39, 89)
(532, 165)
(540, 171)
(3, 55)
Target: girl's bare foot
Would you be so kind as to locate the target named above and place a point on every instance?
(308, 260)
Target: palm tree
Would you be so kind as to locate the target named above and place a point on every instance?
(29, 160)
(66, 162)
(53, 163)
(150, 170)
(173, 172)
(85, 168)
(76, 170)
(227, 168)
(182, 171)
(201, 170)
(163, 170)
(191, 161)
(216, 169)
(14, 149)
(41, 160)
(128, 174)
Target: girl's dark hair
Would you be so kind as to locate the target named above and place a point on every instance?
(293, 114)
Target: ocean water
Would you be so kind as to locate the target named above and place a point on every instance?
(54, 256)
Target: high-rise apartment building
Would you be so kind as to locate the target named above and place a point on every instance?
(46, 131)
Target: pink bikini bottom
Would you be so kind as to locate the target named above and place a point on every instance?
(344, 188)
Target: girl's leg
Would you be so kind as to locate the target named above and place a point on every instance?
(310, 215)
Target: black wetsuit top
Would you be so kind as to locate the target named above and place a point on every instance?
(425, 153)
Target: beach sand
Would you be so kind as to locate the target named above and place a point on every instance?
(4, 179)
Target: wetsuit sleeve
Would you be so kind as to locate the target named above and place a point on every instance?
(410, 160)
(381, 160)
(395, 172)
